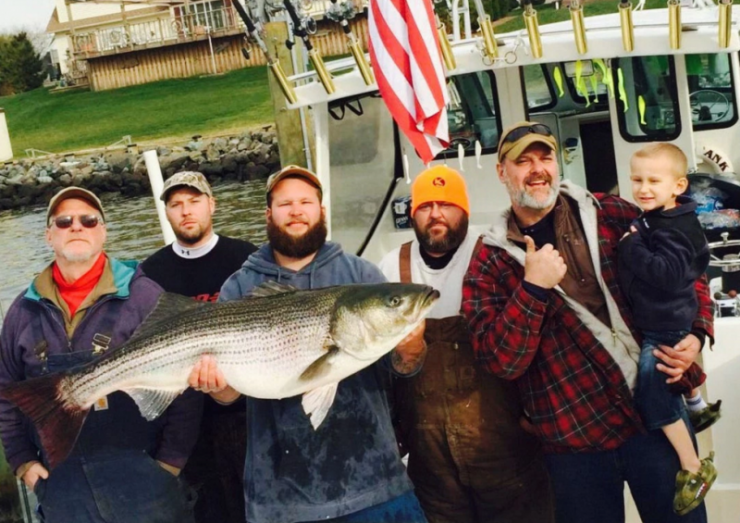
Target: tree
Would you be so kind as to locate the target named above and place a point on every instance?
(21, 68)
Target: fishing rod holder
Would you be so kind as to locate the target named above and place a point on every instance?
(725, 23)
(579, 26)
(533, 29)
(628, 28)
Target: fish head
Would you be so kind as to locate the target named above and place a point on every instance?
(370, 320)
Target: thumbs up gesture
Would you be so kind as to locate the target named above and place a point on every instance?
(544, 268)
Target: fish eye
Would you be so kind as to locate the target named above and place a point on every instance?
(394, 301)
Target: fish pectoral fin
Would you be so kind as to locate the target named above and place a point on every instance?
(316, 403)
(271, 288)
(321, 366)
(152, 402)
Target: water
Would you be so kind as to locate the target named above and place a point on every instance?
(133, 231)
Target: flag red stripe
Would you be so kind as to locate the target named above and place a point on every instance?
(407, 64)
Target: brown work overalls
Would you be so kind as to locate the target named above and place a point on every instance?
(469, 459)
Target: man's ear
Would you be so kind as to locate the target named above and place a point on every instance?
(500, 171)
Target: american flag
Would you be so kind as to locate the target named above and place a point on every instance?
(408, 67)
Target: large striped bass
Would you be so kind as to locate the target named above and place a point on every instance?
(279, 344)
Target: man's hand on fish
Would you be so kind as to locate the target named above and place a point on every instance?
(207, 378)
(33, 473)
(408, 355)
(676, 360)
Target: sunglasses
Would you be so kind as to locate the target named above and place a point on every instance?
(88, 221)
(520, 132)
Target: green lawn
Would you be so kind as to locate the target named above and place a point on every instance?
(76, 120)
(547, 14)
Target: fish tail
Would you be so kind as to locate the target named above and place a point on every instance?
(57, 421)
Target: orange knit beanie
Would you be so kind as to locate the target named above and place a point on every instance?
(439, 184)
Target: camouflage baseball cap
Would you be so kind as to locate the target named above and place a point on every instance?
(192, 179)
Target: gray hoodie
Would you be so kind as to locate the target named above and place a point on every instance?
(351, 462)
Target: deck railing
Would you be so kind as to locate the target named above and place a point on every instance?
(175, 29)
(155, 33)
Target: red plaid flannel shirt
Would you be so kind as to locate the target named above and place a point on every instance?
(572, 389)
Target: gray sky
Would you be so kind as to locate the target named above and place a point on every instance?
(31, 15)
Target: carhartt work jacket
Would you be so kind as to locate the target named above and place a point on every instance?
(32, 320)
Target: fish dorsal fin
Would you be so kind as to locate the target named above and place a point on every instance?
(316, 403)
(152, 402)
(168, 305)
(271, 288)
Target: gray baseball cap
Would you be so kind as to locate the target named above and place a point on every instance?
(192, 179)
(74, 192)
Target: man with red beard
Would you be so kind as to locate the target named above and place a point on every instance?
(545, 311)
(349, 469)
(469, 458)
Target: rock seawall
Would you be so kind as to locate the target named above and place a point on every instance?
(252, 155)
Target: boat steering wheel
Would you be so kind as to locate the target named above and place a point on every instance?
(708, 106)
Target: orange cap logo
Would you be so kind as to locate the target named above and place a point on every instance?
(439, 182)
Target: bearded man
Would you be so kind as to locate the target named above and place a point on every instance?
(545, 311)
(348, 470)
(469, 458)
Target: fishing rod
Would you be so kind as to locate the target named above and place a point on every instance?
(352, 42)
(490, 49)
(272, 62)
(299, 30)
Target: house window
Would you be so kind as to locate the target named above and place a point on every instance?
(209, 14)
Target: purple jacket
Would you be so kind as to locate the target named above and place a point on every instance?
(33, 332)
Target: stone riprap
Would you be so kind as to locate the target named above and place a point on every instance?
(253, 155)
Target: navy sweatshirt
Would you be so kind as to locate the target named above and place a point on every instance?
(659, 265)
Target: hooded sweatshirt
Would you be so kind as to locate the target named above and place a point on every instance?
(293, 472)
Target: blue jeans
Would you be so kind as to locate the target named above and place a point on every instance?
(403, 509)
(589, 486)
(654, 400)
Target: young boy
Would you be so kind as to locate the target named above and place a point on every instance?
(659, 261)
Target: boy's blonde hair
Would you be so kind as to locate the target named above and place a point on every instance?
(670, 151)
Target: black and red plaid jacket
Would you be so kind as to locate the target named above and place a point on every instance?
(572, 389)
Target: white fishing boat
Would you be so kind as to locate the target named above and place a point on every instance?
(605, 87)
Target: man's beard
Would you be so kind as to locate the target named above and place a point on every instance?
(521, 198)
(451, 240)
(297, 246)
(190, 237)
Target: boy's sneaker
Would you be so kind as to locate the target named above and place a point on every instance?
(706, 417)
(691, 488)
